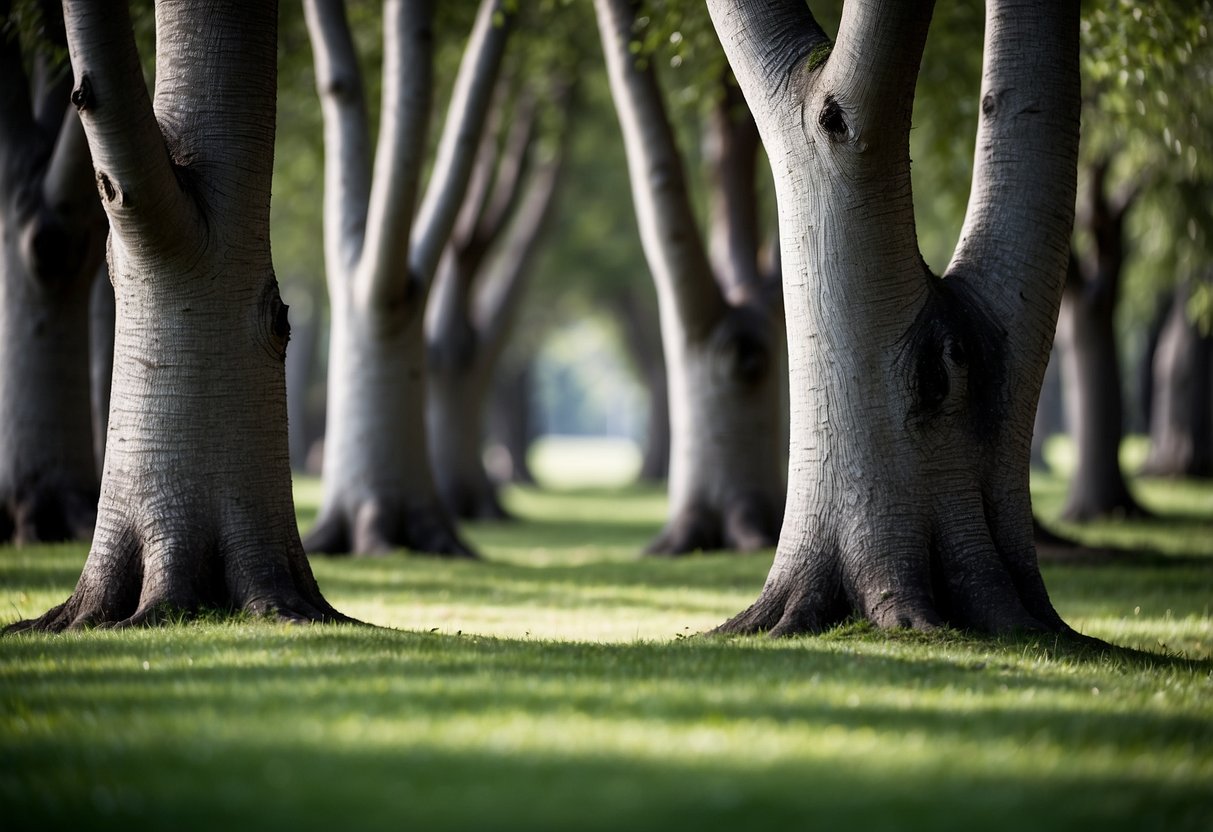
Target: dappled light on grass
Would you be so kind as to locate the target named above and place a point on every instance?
(552, 686)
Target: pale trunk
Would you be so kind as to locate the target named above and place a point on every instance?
(196, 508)
(379, 491)
(725, 480)
(911, 397)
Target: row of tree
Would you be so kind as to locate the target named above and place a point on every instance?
(912, 396)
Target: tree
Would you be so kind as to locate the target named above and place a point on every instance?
(1147, 69)
(52, 229)
(1181, 417)
(477, 291)
(380, 258)
(912, 396)
(719, 327)
(196, 507)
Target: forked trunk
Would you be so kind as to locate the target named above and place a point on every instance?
(1181, 416)
(718, 332)
(912, 397)
(378, 486)
(196, 508)
(51, 234)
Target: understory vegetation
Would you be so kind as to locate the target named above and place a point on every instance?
(559, 685)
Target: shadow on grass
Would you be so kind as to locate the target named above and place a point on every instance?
(313, 728)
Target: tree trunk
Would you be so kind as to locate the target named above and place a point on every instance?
(51, 232)
(912, 397)
(379, 491)
(1181, 415)
(475, 301)
(196, 508)
(102, 314)
(642, 340)
(725, 484)
(1090, 369)
(511, 421)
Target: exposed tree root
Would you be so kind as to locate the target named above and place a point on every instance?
(47, 514)
(376, 530)
(747, 524)
(131, 585)
(958, 580)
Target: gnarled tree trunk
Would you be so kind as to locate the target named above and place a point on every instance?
(196, 507)
(51, 234)
(718, 328)
(379, 491)
(1181, 415)
(912, 397)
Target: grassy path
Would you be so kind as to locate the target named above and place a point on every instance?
(551, 688)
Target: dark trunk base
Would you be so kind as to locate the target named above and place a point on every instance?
(47, 514)
(471, 501)
(1112, 501)
(378, 530)
(746, 525)
(135, 586)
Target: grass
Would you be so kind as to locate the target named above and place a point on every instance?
(552, 688)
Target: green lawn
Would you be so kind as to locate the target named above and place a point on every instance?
(551, 687)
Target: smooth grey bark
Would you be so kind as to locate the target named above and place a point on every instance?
(476, 295)
(51, 240)
(381, 254)
(718, 327)
(912, 397)
(102, 319)
(196, 508)
(1181, 414)
(642, 340)
(1090, 369)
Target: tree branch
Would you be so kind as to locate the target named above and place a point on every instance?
(496, 301)
(460, 137)
(767, 41)
(511, 168)
(347, 157)
(668, 230)
(1016, 235)
(873, 68)
(139, 189)
(408, 68)
(731, 146)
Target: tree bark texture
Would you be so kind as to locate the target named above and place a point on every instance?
(912, 397)
(196, 508)
(477, 292)
(52, 232)
(1181, 415)
(381, 254)
(718, 331)
(1090, 369)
